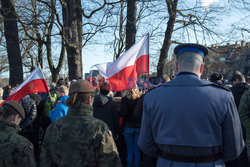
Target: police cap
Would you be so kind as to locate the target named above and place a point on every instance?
(15, 106)
(191, 47)
(82, 86)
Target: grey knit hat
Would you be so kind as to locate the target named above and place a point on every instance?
(15, 106)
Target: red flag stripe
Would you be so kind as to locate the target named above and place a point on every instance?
(127, 78)
(34, 86)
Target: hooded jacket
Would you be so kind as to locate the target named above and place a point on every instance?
(238, 90)
(105, 109)
(60, 110)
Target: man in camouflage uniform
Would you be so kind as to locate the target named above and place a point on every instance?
(15, 150)
(79, 139)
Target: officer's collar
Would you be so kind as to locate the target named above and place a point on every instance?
(186, 73)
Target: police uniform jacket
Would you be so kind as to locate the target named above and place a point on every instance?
(15, 150)
(190, 116)
(79, 140)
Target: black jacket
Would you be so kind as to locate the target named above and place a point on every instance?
(30, 110)
(41, 121)
(238, 90)
(105, 109)
(128, 110)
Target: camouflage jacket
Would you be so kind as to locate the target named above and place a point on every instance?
(15, 150)
(79, 139)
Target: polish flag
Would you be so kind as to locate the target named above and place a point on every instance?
(122, 73)
(34, 83)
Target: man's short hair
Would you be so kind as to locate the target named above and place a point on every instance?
(165, 78)
(190, 60)
(8, 113)
(63, 89)
(216, 76)
(238, 75)
(77, 98)
(104, 88)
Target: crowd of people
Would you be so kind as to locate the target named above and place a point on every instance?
(178, 121)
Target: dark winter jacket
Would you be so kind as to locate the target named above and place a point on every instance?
(128, 108)
(238, 90)
(30, 109)
(105, 109)
(42, 120)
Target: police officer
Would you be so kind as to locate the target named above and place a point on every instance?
(15, 150)
(79, 139)
(188, 121)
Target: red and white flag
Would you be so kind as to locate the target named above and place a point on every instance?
(122, 73)
(34, 83)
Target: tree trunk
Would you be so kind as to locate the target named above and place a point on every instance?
(40, 53)
(72, 24)
(172, 6)
(54, 70)
(12, 40)
(131, 23)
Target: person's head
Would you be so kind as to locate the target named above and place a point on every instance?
(190, 58)
(228, 86)
(154, 82)
(165, 78)
(81, 91)
(1, 91)
(62, 91)
(237, 77)
(133, 93)
(67, 81)
(248, 79)
(60, 82)
(6, 93)
(104, 88)
(13, 111)
(216, 77)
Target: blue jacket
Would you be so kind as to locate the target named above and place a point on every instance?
(60, 110)
(188, 113)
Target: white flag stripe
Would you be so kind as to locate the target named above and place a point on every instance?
(36, 74)
(103, 68)
(137, 50)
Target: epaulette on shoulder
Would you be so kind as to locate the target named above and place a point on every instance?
(219, 86)
(152, 89)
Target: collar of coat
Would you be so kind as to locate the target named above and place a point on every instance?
(81, 109)
(9, 126)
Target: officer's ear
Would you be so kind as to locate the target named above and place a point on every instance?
(17, 119)
(202, 67)
(90, 100)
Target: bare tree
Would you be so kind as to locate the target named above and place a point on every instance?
(72, 23)
(131, 23)
(39, 31)
(172, 10)
(12, 40)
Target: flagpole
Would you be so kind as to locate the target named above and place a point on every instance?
(51, 99)
(148, 62)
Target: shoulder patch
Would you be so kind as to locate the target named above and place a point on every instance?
(28, 148)
(110, 133)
